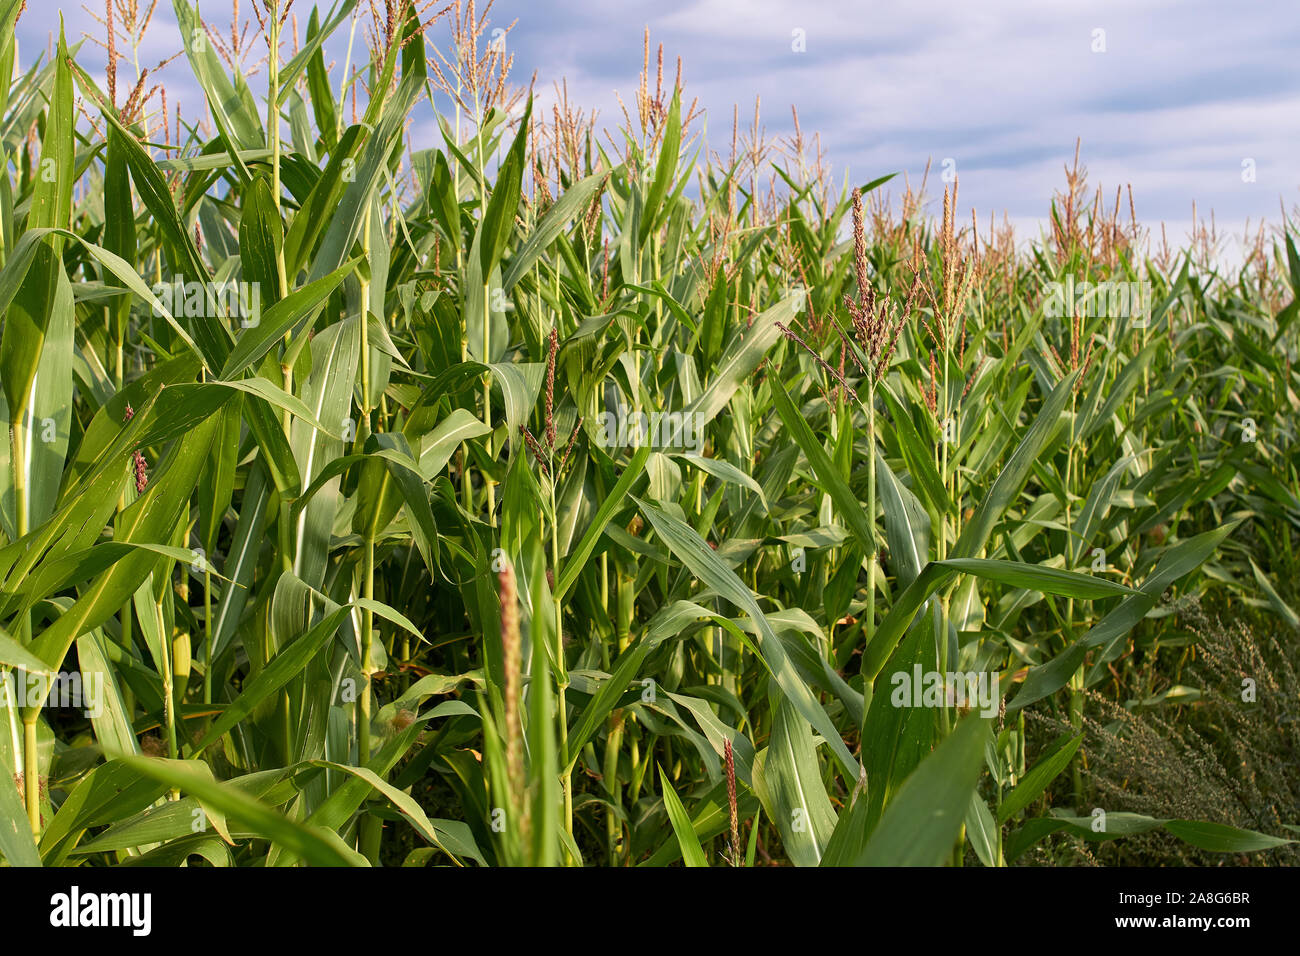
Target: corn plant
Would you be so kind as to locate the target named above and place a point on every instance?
(530, 493)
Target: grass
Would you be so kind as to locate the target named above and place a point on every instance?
(543, 494)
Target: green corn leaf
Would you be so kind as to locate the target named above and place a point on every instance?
(923, 821)
(692, 852)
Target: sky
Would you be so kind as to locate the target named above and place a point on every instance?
(1186, 100)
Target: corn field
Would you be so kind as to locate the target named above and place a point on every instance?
(399, 471)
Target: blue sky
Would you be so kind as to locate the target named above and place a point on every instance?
(1182, 95)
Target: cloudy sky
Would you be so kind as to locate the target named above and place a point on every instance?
(1188, 100)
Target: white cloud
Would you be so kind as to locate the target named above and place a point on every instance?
(1184, 91)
